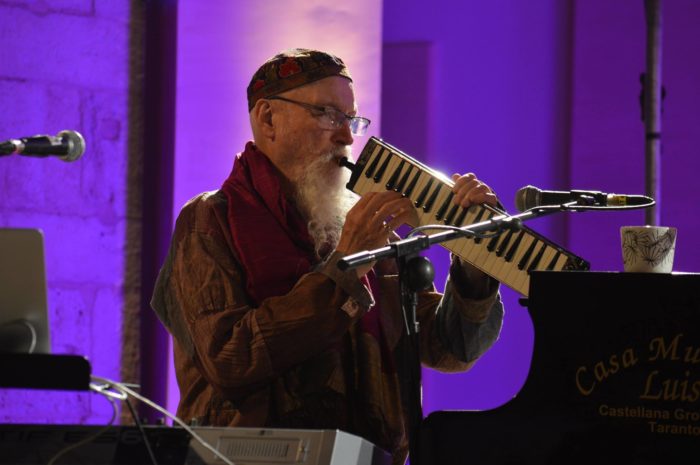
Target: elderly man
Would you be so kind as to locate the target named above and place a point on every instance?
(267, 330)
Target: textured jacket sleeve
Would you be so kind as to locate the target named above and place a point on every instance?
(464, 323)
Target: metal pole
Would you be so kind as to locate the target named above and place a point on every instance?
(652, 109)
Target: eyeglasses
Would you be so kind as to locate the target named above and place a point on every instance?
(331, 118)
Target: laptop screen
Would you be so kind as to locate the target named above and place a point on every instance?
(24, 324)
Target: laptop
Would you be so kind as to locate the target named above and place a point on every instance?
(24, 326)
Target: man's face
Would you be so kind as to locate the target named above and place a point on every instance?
(307, 153)
(301, 139)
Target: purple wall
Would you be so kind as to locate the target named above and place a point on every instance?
(65, 65)
(607, 134)
(545, 93)
(498, 103)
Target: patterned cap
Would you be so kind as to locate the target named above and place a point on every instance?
(293, 68)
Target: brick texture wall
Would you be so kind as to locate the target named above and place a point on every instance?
(75, 64)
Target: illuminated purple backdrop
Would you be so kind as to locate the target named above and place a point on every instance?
(65, 65)
(496, 96)
(542, 93)
(607, 134)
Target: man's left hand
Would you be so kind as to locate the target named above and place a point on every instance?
(470, 191)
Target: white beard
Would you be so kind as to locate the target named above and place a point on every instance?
(323, 199)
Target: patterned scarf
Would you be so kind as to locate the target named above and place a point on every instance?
(269, 234)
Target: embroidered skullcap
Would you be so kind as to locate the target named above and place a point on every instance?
(293, 68)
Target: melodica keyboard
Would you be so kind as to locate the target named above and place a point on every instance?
(508, 257)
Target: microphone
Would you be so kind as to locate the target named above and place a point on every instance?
(67, 145)
(530, 197)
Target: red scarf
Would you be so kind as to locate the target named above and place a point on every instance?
(269, 234)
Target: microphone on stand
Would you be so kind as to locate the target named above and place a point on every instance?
(67, 145)
(530, 197)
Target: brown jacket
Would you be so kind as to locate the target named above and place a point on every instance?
(297, 360)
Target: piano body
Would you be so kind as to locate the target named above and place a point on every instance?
(509, 257)
(614, 379)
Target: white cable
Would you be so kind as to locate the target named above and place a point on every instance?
(107, 391)
(441, 227)
(32, 346)
(150, 403)
(88, 439)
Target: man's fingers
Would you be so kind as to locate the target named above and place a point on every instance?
(396, 211)
(470, 191)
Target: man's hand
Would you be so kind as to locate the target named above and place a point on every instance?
(371, 223)
(470, 191)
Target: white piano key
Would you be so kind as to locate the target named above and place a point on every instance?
(380, 185)
(422, 178)
(423, 194)
(483, 255)
(498, 263)
(525, 243)
(362, 186)
(561, 262)
(443, 194)
(547, 256)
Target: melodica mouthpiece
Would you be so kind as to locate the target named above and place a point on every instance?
(346, 163)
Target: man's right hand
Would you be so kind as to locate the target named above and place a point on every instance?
(371, 223)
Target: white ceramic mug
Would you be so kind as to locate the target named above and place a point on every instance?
(648, 249)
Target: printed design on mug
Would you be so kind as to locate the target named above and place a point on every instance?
(649, 246)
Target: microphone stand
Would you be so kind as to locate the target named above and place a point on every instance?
(652, 93)
(413, 245)
(415, 274)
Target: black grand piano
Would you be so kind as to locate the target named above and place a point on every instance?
(614, 379)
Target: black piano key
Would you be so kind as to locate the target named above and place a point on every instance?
(514, 248)
(373, 166)
(404, 179)
(450, 216)
(480, 215)
(492, 243)
(431, 201)
(424, 193)
(391, 184)
(412, 186)
(504, 244)
(554, 261)
(478, 219)
(537, 259)
(445, 205)
(526, 258)
(462, 215)
(380, 173)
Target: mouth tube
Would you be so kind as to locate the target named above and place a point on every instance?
(346, 163)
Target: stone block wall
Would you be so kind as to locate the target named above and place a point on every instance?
(72, 64)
